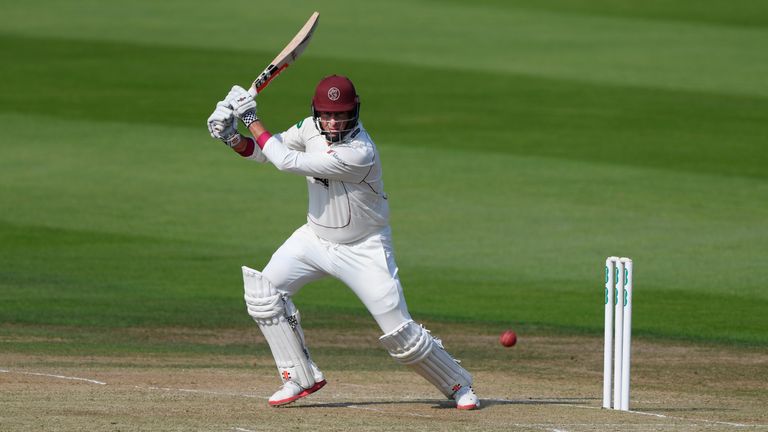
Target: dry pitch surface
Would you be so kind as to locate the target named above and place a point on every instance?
(545, 383)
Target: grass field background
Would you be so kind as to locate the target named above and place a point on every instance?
(522, 144)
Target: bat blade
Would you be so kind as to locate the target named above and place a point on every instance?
(287, 56)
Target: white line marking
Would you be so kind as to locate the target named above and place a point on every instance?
(723, 423)
(242, 429)
(528, 401)
(669, 417)
(648, 414)
(55, 376)
(690, 419)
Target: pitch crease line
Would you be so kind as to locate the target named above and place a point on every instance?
(724, 423)
(717, 422)
(690, 419)
(55, 376)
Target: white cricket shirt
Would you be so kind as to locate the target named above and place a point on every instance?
(346, 192)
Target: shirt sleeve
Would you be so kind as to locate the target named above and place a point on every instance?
(292, 137)
(344, 163)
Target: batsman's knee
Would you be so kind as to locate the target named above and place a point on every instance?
(262, 300)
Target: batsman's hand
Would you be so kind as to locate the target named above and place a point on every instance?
(221, 125)
(243, 105)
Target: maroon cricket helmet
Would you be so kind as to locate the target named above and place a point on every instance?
(336, 93)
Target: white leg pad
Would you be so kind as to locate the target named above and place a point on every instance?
(278, 320)
(412, 345)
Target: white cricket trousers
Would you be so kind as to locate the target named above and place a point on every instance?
(366, 266)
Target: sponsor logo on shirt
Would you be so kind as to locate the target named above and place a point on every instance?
(336, 156)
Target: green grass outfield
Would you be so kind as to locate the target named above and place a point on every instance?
(522, 145)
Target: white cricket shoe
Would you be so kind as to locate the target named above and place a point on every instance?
(466, 399)
(290, 391)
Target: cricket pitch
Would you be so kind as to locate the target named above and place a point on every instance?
(545, 383)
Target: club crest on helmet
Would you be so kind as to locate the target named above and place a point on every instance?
(333, 93)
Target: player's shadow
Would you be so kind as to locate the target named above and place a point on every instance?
(445, 404)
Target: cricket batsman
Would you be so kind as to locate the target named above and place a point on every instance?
(347, 236)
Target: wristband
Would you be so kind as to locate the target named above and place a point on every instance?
(263, 138)
(249, 118)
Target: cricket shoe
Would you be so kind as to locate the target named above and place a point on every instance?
(466, 399)
(290, 391)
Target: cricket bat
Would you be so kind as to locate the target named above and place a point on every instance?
(287, 56)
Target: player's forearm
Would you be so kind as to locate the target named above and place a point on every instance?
(257, 129)
(260, 133)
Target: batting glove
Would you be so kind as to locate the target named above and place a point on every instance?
(221, 125)
(243, 105)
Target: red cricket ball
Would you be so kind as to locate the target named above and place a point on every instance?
(508, 338)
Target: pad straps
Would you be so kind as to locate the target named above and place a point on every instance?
(412, 345)
(282, 332)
